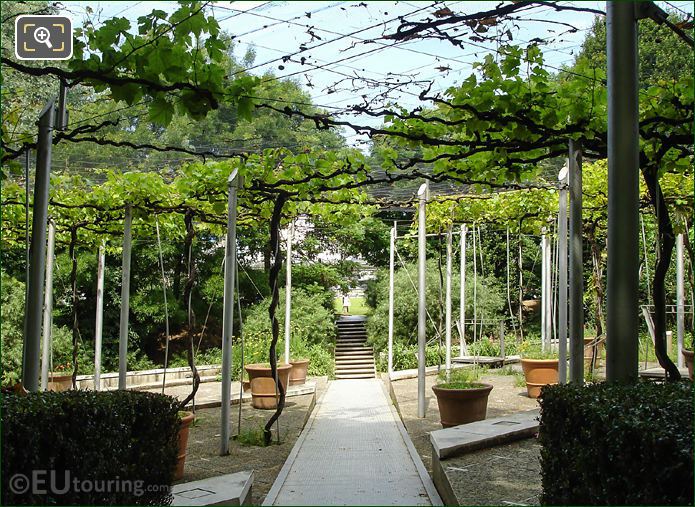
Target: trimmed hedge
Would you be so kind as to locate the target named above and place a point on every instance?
(613, 444)
(90, 437)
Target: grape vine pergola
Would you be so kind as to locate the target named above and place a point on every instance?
(489, 136)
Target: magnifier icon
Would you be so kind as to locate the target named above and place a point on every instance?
(43, 36)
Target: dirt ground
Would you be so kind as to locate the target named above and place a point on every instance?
(203, 458)
(495, 476)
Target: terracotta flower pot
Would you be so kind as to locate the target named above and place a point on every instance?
(538, 373)
(461, 406)
(59, 381)
(688, 356)
(299, 371)
(531, 305)
(263, 394)
(186, 419)
(589, 350)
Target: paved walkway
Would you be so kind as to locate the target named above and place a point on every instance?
(353, 451)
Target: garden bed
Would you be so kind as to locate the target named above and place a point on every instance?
(491, 476)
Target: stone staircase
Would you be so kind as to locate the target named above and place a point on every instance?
(353, 358)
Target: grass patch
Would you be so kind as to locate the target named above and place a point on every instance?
(358, 306)
(251, 437)
(463, 378)
(519, 378)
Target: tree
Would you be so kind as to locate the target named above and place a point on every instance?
(663, 56)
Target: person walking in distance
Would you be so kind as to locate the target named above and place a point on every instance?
(346, 304)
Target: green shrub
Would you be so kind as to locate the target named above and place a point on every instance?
(490, 303)
(320, 357)
(93, 437)
(12, 314)
(316, 279)
(612, 444)
(312, 323)
(488, 347)
(405, 356)
(312, 328)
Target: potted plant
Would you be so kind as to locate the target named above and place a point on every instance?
(187, 419)
(263, 393)
(60, 379)
(300, 367)
(592, 345)
(688, 354)
(531, 305)
(540, 368)
(461, 397)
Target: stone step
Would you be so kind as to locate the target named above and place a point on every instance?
(355, 371)
(350, 342)
(368, 357)
(345, 348)
(364, 353)
(348, 376)
(355, 364)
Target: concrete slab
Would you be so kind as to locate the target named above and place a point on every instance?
(230, 489)
(412, 373)
(209, 395)
(465, 438)
(352, 452)
(659, 372)
(493, 361)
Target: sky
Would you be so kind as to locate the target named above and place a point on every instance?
(341, 67)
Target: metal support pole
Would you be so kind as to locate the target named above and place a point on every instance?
(548, 301)
(166, 307)
(562, 277)
(27, 237)
(288, 291)
(502, 351)
(576, 266)
(234, 182)
(475, 289)
(462, 300)
(447, 321)
(392, 265)
(544, 292)
(48, 308)
(33, 307)
(98, 326)
(622, 324)
(422, 289)
(125, 299)
(680, 298)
